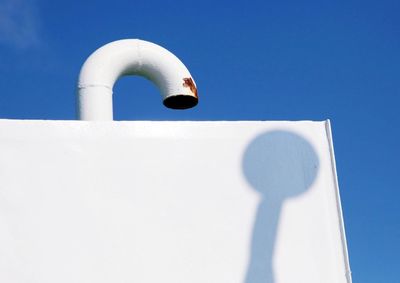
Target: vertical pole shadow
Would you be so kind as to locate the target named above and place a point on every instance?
(278, 165)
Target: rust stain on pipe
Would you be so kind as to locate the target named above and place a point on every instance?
(188, 82)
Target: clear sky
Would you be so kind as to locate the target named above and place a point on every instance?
(252, 60)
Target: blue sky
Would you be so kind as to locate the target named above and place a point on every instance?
(254, 60)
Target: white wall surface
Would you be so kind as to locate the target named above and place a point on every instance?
(172, 202)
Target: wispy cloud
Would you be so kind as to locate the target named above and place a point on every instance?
(19, 23)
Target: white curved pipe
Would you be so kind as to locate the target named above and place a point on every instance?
(132, 57)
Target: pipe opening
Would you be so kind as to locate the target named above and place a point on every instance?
(180, 101)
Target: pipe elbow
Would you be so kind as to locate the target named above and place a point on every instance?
(132, 57)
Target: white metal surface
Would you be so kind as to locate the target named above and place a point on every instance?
(173, 202)
(131, 57)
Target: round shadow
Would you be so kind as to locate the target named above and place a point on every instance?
(280, 164)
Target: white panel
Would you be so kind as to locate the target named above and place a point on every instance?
(174, 202)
